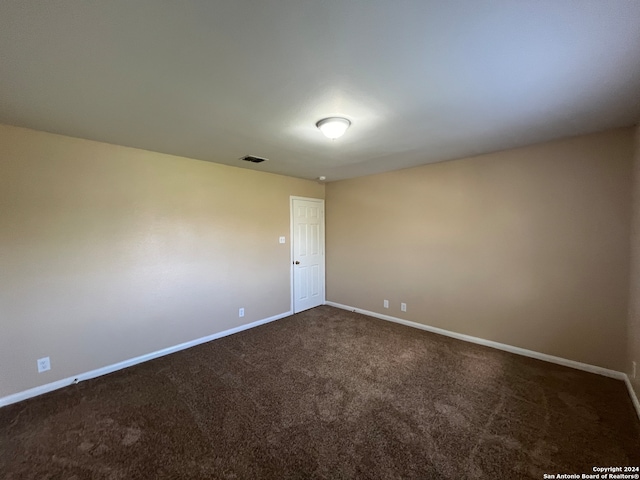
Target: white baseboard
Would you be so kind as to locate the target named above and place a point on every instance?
(49, 387)
(502, 346)
(632, 394)
(489, 343)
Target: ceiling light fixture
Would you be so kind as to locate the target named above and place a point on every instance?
(333, 127)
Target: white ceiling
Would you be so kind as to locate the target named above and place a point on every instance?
(422, 81)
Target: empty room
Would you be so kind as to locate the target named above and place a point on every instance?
(320, 239)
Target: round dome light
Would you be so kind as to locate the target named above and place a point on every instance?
(333, 127)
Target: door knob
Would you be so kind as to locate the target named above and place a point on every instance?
(297, 262)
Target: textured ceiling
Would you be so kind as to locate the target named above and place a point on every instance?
(421, 81)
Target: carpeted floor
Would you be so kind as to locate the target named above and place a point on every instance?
(325, 394)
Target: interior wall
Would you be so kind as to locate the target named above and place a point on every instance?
(108, 252)
(634, 300)
(527, 247)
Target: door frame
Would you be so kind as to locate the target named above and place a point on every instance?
(291, 249)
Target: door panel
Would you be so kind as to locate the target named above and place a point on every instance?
(308, 253)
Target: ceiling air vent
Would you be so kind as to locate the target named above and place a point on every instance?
(253, 159)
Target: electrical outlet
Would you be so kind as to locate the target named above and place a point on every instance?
(44, 364)
(282, 239)
(633, 369)
(241, 312)
(403, 307)
(386, 304)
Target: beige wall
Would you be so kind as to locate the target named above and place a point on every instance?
(528, 247)
(634, 300)
(108, 253)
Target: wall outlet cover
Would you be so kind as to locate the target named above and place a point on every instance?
(282, 239)
(44, 364)
(403, 307)
(241, 312)
(386, 304)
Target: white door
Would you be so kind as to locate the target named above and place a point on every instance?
(307, 226)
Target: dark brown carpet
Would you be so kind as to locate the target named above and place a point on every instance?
(325, 394)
